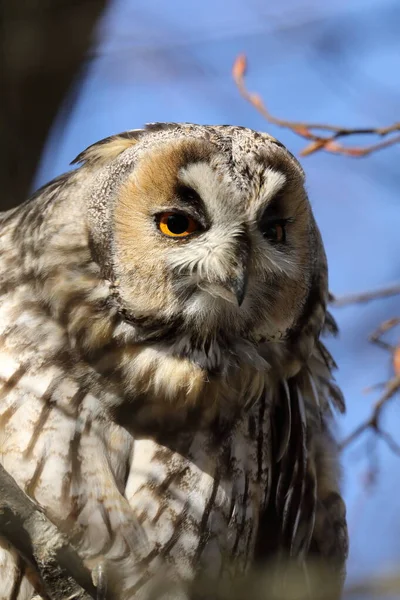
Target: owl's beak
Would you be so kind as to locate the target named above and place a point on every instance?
(232, 284)
(229, 289)
(238, 285)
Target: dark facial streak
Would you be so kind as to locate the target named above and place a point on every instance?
(189, 196)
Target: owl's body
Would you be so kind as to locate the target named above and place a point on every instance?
(164, 393)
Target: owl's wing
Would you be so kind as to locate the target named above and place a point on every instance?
(56, 444)
(305, 500)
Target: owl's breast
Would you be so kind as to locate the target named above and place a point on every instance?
(198, 500)
(200, 505)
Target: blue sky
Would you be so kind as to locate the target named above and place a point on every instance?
(333, 62)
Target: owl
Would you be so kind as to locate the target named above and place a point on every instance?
(165, 397)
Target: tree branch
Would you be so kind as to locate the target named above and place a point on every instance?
(61, 572)
(339, 301)
(391, 387)
(40, 59)
(307, 130)
(373, 422)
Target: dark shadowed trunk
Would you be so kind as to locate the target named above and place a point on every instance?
(43, 48)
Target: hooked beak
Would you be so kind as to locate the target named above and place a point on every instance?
(237, 282)
(233, 286)
(238, 286)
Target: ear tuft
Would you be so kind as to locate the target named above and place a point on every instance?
(109, 148)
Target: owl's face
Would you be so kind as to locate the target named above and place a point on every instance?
(214, 243)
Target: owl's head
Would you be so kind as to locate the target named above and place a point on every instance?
(208, 239)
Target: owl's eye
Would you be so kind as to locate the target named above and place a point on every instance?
(275, 231)
(176, 224)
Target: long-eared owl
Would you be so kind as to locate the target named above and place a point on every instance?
(164, 393)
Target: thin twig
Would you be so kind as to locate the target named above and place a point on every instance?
(340, 301)
(372, 422)
(59, 571)
(393, 445)
(327, 143)
(390, 387)
(376, 337)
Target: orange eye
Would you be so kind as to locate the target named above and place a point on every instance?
(177, 224)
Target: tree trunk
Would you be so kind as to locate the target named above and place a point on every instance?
(43, 47)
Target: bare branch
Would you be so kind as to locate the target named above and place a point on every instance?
(393, 445)
(376, 337)
(372, 422)
(340, 301)
(61, 572)
(307, 130)
(390, 387)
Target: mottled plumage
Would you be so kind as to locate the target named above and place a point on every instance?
(166, 400)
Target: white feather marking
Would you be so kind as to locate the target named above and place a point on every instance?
(8, 366)
(37, 384)
(273, 183)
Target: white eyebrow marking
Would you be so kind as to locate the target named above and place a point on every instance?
(273, 182)
(200, 173)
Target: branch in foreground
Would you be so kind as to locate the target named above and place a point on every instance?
(42, 546)
(307, 130)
